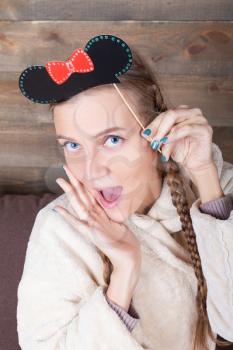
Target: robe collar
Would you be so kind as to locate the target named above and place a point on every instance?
(163, 209)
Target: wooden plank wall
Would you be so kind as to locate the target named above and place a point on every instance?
(188, 43)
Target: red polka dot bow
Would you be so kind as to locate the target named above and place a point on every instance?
(79, 62)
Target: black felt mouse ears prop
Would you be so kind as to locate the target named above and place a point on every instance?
(104, 58)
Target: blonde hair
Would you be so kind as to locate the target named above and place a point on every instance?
(142, 80)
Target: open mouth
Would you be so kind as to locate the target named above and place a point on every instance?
(110, 196)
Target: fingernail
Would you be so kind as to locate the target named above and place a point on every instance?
(64, 167)
(164, 139)
(163, 158)
(146, 132)
(54, 210)
(59, 181)
(154, 144)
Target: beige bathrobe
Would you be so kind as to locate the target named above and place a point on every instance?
(61, 305)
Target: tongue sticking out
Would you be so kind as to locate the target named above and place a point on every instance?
(111, 193)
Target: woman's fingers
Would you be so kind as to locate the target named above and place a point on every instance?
(84, 197)
(90, 196)
(172, 134)
(183, 130)
(80, 225)
(72, 195)
(155, 125)
(79, 196)
(162, 124)
(172, 118)
(85, 194)
(192, 127)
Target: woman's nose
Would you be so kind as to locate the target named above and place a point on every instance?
(95, 167)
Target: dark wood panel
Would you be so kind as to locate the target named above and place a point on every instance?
(173, 48)
(26, 180)
(28, 146)
(212, 94)
(193, 61)
(30, 158)
(104, 10)
(223, 137)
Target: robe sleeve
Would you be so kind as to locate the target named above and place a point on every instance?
(214, 237)
(130, 318)
(57, 309)
(220, 208)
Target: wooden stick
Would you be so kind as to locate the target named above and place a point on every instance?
(134, 114)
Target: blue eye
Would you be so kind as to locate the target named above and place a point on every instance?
(112, 137)
(68, 142)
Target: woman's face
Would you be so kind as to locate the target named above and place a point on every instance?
(118, 157)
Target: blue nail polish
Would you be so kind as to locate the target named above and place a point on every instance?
(147, 132)
(164, 139)
(154, 144)
(163, 158)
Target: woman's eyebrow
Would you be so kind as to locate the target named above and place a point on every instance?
(117, 128)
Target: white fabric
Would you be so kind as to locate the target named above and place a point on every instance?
(60, 295)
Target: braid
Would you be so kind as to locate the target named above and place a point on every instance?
(179, 200)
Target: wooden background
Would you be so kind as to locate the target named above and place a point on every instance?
(188, 43)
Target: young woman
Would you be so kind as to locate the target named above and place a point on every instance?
(138, 254)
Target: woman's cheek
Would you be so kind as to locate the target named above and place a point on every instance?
(126, 166)
(77, 168)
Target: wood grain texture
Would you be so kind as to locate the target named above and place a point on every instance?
(213, 95)
(192, 60)
(223, 137)
(120, 10)
(172, 48)
(35, 179)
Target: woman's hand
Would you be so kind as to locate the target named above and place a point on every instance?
(189, 142)
(114, 239)
(189, 137)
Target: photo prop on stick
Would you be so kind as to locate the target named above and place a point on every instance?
(104, 58)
